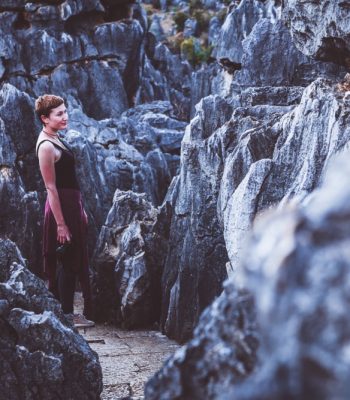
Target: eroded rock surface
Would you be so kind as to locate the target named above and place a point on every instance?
(321, 30)
(128, 262)
(297, 267)
(41, 355)
(195, 264)
(278, 161)
(222, 353)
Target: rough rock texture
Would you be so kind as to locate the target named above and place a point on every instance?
(19, 201)
(166, 77)
(195, 263)
(320, 30)
(237, 26)
(128, 261)
(287, 257)
(139, 152)
(41, 355)
(85, 57)
(262, 54)
(94, 51)
(281, 161)
(297, 267)
(223, 352)
(259, 158)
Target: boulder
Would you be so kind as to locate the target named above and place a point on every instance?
(237, 26)
(41, 354)
(19, 199)
(281, 160)
(128, 262)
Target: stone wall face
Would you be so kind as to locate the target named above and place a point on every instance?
(287, 123)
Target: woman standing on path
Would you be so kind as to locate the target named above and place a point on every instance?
(65, 220)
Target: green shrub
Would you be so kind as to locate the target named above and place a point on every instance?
(194, 52)
(187, 49)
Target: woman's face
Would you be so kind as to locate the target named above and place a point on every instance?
(58, 118)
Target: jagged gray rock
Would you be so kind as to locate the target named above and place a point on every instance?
(94, 51)
(320, 32)
(197, 254)
(156, 28)
(237, 26)
(19, 200)
(128, 262)
(177, 73)
(202, 84)
(139, 151)
(262, 51)
(292, 154)
(285, 155)
(277, 96)
(301, 237)
(222, 353)
(297, 266)
(41, 354)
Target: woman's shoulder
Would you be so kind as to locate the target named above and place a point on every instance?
(44, 145)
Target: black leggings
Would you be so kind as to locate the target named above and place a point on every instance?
(66, 279)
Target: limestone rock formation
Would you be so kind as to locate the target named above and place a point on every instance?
(299, 277)
(296, 266)
(139, 151)
(20, 203)
(237, 26)
(320, 32)
(166, 77)
(41, 354)
(195, 264)
(262, 52)
(223, 352)
(249, 161)
(281, 161)
(128, 262)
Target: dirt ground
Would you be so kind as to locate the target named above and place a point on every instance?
(128, 358)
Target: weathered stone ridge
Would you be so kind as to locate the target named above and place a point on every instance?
(320, 30)
(223, 352)
(300, 281)
(128, 261)
(195, 264)
(41, 354)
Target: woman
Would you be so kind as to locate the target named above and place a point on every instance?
(65, 220)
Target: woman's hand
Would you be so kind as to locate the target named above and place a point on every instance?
(63, 234)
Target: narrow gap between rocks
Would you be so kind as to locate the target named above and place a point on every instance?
(128, 358)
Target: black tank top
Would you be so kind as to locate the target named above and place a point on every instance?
(64, 167)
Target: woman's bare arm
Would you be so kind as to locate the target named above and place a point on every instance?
(46, 156)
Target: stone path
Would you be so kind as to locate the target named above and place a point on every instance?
(128, 358)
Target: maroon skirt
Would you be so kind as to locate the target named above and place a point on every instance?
(73, 213)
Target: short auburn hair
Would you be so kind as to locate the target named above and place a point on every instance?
(45, 103)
